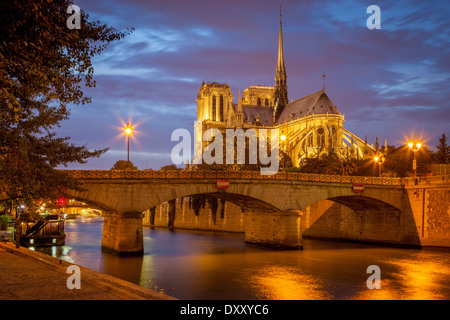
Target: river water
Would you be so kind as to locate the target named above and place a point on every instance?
(206, 265)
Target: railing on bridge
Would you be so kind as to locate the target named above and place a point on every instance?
(250, 175)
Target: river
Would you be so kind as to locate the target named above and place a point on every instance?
(214, 266)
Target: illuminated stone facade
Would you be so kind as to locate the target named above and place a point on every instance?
(312, 125)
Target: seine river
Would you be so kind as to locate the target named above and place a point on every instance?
(203, 265)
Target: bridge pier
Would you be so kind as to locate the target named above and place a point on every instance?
(277, 230)
(122, 233)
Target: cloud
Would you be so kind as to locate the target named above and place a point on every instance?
(386, 81)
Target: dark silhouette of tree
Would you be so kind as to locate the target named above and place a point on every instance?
(170, 167)
(250, 153)
(442, 155)
(400, 161)
(43, 67)
(124, 165)
(326, 164)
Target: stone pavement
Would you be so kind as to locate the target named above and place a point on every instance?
(30, 275)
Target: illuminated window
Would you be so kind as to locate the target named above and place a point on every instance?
(321, 137)
(213, 118)
(221, 109)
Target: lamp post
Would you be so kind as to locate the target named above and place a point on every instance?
(283, 138)
(414, 146)
(128, 132)
(380, 160)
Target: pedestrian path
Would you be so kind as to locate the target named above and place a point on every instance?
(30, 275)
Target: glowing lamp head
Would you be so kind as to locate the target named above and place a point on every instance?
(376, 159)
(128, 130)
(283, 137)
(414, 146)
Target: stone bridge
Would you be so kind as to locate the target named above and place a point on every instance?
(273, 204)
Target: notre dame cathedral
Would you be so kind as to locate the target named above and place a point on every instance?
(312, 126)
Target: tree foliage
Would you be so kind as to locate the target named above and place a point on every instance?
(43, 68)
(170, 167)
(398, 163)
(284, 160)
(124, 165)
(442, 154)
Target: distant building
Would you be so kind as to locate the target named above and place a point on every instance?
(313, 125)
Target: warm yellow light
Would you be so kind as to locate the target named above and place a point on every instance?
(128, 130)
(283, 137)
(414, 146)
(376, 159)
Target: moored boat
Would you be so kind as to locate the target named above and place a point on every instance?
(48, 231)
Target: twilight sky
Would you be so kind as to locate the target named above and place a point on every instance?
(392, 83)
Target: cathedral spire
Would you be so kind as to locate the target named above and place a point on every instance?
(281, 97)
(281, 69)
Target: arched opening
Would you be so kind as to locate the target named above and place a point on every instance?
(89, 203)
(353, 218)
(310, 140)
(207, 211)
(259, 102)
(221, 108)
(266, 103)
(213, 114)
(261, 223)
(321, 138)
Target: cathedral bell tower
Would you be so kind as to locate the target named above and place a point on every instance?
(281, 97)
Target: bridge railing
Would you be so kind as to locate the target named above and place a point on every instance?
(433, 180)
(251, 175)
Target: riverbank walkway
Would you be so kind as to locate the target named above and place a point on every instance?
(31, 275)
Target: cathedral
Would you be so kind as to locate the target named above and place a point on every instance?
(309, 127)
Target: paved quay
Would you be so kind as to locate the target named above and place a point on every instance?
(30, 275)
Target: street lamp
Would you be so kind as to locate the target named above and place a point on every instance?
(128, 132)
(380, 160)
(414, 146)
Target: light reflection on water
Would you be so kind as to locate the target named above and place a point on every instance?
(201, 265)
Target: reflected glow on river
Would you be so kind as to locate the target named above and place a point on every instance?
(205, 265)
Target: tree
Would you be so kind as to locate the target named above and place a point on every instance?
(400, 161)
(124, 165)
(170, 167)
(43, 65)
(325, 164)
(442, 155)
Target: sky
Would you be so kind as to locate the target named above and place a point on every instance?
(391, 83)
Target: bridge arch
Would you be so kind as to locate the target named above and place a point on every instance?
(92, 203)
(354, 218)
(362, 203)
(247, 203)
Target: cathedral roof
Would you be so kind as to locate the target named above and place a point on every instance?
(316, 103)
(252, 112)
